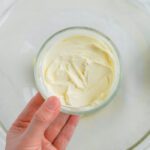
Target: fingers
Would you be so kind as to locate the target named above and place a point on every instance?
(46, 145)
(43, 117)
(54, 129)
(29, 111)
(65, 135)
(49, 147)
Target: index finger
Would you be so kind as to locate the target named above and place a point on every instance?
(28, 112)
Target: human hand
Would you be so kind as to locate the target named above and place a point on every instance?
(41, 126)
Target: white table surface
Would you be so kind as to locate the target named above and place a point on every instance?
(30, 22)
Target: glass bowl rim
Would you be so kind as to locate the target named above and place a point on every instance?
(81, 110)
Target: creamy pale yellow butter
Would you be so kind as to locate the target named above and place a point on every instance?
(80, 70)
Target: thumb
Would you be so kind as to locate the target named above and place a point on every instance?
(43, 117)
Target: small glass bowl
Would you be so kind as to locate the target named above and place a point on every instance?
(63, 34)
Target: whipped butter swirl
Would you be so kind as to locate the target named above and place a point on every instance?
(80, 70)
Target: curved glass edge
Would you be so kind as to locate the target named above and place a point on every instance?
(144, 5)
(3, 127)
(141, 141)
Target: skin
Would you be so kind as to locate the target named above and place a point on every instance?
(41, 126)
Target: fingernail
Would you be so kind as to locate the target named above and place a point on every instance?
(53, 103)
